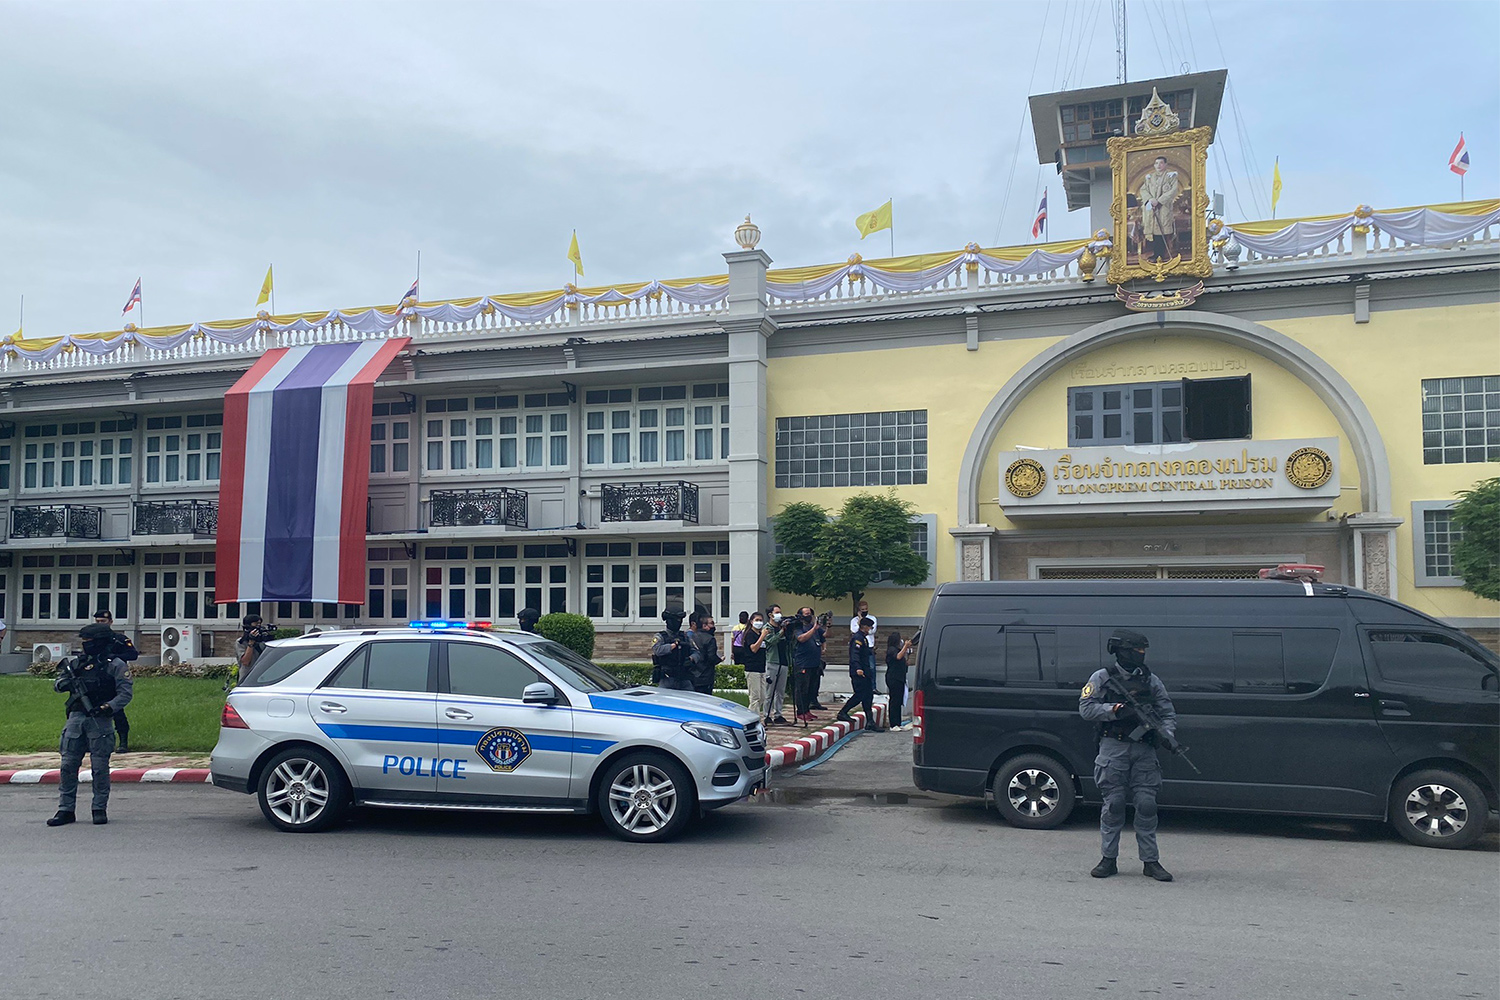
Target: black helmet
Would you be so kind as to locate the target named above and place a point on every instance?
(528, 615)
(673, 618)
(96, 632)
(1124, 638)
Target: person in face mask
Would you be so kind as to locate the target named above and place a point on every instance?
(704, 653)
(753, 659)
(98, 686)
(1127, 769)
(669, 654)
(777, 659)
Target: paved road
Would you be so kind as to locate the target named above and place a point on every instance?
(189, 894)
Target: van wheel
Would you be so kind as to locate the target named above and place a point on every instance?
(1438, 809)
(302, 790)
(1034, 791)
(646, 797)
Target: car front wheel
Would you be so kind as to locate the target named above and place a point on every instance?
(302, 790)
(1033, 791)
(1438, 809)
(646, 797)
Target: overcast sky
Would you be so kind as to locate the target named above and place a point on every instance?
(191, 144)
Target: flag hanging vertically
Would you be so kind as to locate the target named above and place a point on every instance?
(1458, 162)
(294, 482)
(135, 298)
(575, 256)
(1039, 224)
(265, 289)
(1275, 186)
(411, 293)
(874, 222)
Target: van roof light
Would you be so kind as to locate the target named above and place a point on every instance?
(1306, 572)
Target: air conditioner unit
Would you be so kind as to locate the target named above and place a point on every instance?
(179, 644)
(48, 652)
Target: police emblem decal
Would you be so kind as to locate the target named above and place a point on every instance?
(1025, 478)
(1088, 689)
(1309, 468)
(503, 749)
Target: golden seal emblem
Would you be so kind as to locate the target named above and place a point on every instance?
(1025, 478)
(1309, 468)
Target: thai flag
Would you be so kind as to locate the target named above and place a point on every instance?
(1039, 224)
(295, 475)
(1459, 161)
(411, 293)
(135, 298)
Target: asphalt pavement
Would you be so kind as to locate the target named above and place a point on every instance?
(844, 883)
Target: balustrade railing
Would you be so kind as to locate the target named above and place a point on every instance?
(177, 517)
(65, 520)
(965, 280)
(668, 501)
(470, 508)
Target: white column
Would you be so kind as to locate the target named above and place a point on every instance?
(748, 328)
(973, 551)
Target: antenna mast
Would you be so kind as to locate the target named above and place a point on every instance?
(1120, 39)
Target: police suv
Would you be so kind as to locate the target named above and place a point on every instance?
(450, 715)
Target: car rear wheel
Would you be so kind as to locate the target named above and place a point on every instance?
(1034, 791)
(646, 797)
(303, 790)
(1438, 809)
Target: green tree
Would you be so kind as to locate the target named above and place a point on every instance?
(1476, 557)
(830, 558)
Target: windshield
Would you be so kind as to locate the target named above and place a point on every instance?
(573, 669)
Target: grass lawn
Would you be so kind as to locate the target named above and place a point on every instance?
(167, 714)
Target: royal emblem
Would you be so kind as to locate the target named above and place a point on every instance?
(503, 749)
(1025, 478)
(1308, 468)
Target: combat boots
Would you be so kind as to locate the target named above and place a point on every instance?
(61, 819)
(101, 817)
(1156, 871)
(1105, 868)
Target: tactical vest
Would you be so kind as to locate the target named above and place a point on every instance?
(1139, 686)
(97, 683)
(671, 664)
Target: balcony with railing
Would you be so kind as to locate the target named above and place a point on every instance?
(199, 518)
(472, 508)
(1362, 238)
(65, 520)
(663, 501)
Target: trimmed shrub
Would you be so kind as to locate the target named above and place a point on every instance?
(216, 671)
(574, 631)
(728, 675)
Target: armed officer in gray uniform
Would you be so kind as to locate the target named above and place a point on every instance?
(1125, 764)
(103, 680)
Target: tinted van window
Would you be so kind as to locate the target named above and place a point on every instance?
(971, 656)
(1242, 661)
(1015, 656)
(1429, 659)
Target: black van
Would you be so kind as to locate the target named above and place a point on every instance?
(1293, 697)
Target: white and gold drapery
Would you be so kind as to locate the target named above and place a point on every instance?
(1431, 225)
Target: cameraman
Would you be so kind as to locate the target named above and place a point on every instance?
(807, 660)
(98, 685)
(254, 635)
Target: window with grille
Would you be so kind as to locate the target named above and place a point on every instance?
(656, 425)
(1434, 537)
(637, 581)
(852, 449)
(178, 586)
(1212, 409)
(71, 587)
(81, 453)
(486, 433)
(1461, 419)
(183, 448)
(494, 581)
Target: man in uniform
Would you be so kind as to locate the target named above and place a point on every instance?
(125, 650)
(704, 653)
(1126, 765)
(103, 680)
(669, 656)
(527, 619)
(1158, 198)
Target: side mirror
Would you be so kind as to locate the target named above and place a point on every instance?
(539, 694)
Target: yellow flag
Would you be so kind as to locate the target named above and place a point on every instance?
(574, 255)
(265, 290)
(874, 222)
(1275, 186)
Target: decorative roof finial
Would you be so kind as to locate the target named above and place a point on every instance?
(1157, 117)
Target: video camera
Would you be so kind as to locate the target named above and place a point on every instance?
(260, 633)
(825, 619)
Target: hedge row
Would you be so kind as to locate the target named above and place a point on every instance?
(216, 671)
(727, 676)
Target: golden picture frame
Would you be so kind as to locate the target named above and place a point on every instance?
(1160, 205)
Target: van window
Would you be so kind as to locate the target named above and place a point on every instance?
(1014, 656)
(1258, 664)
(1429, 659)
(971, 656)
(1242, 661)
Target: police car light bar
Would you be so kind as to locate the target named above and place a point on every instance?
(1305, 572)
(478, 626)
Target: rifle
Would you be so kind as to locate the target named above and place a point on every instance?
(65, 667)
(1150, 722)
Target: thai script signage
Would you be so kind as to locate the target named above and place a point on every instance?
(1203, 473)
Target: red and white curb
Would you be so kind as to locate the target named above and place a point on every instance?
(816, 743)
(176, 775)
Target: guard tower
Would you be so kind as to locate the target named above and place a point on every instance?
(1072, 126)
